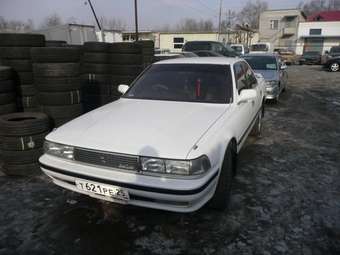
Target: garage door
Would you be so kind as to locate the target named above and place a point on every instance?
(313, 44)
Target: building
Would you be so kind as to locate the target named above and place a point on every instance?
(130, 36)
(325, 16)
(280, 27)
(318, 36)
(71, 33)
(110, 36)
(174, 41)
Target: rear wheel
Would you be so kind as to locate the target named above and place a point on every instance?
(221, 198)
(334, 67)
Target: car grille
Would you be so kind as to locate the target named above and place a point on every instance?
(107, 159)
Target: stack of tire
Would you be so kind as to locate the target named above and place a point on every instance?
(57, 79)
(148, 51)
(15, 52)
(126, 64)
(55, 43)
(7, 91)
(96, 77)
(22, 136)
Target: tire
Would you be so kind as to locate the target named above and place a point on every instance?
(95, 47)
(55, 54)
(21, 170)
(334, 67)
(32, 109)
(22, 40)
(7, 86)
(257, 129)
(96, 68)
(131, 70)
(21, 157)
(221, 198)
(55, 43)
(26, 90)
(120, 79)
(125, 47)
(92, 79)
(63, 112)
(29, 102)
(96, 89)
(97, 99)
(126, 59)
(6, 73)
(146, 44)
(56, 69)
(8, 108)
(25, 77)
(23, 143)
(7, 98)
(15, 52)
(19, 65)
(60, 98)
(23, 124)
(57, 84)
(92, 57)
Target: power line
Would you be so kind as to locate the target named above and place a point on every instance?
(207, 6)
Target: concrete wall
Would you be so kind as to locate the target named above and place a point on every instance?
(110, 36)
(330, 32)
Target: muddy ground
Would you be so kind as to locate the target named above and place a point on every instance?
(286, 197)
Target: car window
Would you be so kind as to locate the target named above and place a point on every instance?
(206, 83)
(249, 76)
(196, 46)
(240, 77)
(262, 62)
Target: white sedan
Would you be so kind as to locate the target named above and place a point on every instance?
(170, 142)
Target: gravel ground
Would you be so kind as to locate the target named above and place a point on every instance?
(285, 198)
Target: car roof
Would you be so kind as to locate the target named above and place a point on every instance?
(198, 60)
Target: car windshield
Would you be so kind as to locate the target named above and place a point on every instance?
(262, 62)
(259, 47)
(237, 48)
(206, 83)
(195, 46)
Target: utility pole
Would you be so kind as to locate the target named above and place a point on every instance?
(136, 20)
(219, 20)
(228, 24)
(95, 16)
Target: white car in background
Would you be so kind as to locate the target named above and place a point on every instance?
(171, 142)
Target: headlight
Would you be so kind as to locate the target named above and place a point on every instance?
(272, 83)
(175, 167)
(58, 150)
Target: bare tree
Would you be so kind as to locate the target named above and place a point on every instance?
(250, 13)
(193, 25)
(51, 21)
(313, 6)
(15, 25)
(230, 21)
(112, 23)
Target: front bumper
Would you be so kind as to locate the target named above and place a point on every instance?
(178, 195)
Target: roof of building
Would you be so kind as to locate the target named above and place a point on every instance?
(198, 60)
(284, 10)
(325, 16)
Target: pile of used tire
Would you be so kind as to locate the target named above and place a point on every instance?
(148, 52)
(57, 79)
(15, 52)
(126, 64)
(7, 91)
(22, 135)
(96, 77)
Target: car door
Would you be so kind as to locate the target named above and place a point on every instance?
(253, 84)
(244, 111)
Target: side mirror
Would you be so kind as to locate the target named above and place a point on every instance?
(327, 52)
(123, 88)
(246, 95)
(283, 66)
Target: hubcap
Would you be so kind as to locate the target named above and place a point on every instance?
(335, 67)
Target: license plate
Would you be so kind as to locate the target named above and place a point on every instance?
(103, 189)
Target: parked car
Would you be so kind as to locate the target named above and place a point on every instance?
(333, 64)
(207, 53)
(261, 47)
(170, 142)
(217, 47)
(288, 56)
(310, 58)
(240, 48)
(272, 70)
(333, 52)
(165, 56)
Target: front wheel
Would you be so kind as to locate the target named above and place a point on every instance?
(334, 67)
(221, 198)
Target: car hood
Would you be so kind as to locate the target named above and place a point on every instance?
(141, 127)
(269, 75)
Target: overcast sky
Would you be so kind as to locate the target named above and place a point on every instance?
(152, 13)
